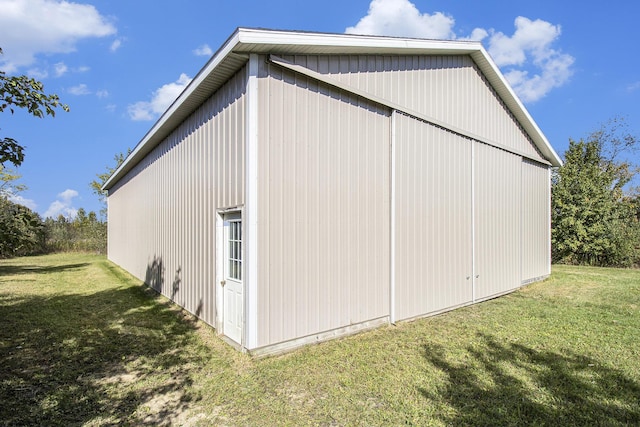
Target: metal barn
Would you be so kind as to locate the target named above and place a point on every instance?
(306, 186)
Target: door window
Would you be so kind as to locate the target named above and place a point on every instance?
(235, 250)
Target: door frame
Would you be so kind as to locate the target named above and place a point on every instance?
(221, 254)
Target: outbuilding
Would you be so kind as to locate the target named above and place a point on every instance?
(306, 186)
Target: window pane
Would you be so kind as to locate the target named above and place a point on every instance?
(234, 255)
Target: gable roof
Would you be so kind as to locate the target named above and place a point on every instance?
(233, 55)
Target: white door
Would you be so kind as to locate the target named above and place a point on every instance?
(233, 302)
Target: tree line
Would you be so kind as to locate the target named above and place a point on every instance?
(23, 232)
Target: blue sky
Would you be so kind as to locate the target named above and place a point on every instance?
(118, 64)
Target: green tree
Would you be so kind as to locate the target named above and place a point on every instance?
(26, 93)
(21, 230)
(594, 219)
(96, 184)
(84, 233)
(8, 184)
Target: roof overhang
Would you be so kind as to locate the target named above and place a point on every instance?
(234, 53)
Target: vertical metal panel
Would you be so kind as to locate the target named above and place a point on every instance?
(162, 214)
(497, 221)
(536, 221)
(448, 88)
(433, 219)
(324, 208)
(250, 253)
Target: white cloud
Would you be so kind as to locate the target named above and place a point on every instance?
(80, 89)
(102, 93)
(402, 18)
(478, 34)
(528, 60)
(115, 45)
(38, 73)
(63, 205)
(633, 86)
(60, 69)
(530, 48)
(16, 198)
(203, 50)
(553, 73)
(67, 195)
(58, 208)
(160, 101)
(29, 28)
(532, 37)
(141, 111)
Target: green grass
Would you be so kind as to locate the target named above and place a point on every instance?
(82, 343)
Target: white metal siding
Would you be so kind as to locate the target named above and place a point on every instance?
(536, 221)
(162, 213)
(324, 208)
(497, 222)
(448, 88)
(458, 220)
(433, 219)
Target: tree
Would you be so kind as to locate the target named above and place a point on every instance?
(594, 216)
(84, 233)
(28, 93)
(8, 185)
(21, 230)
(96, 184)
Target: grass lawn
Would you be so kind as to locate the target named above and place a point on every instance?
(82, 343)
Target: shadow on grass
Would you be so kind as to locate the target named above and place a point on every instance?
(112, 357)
(512, 384)
(30, 269)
